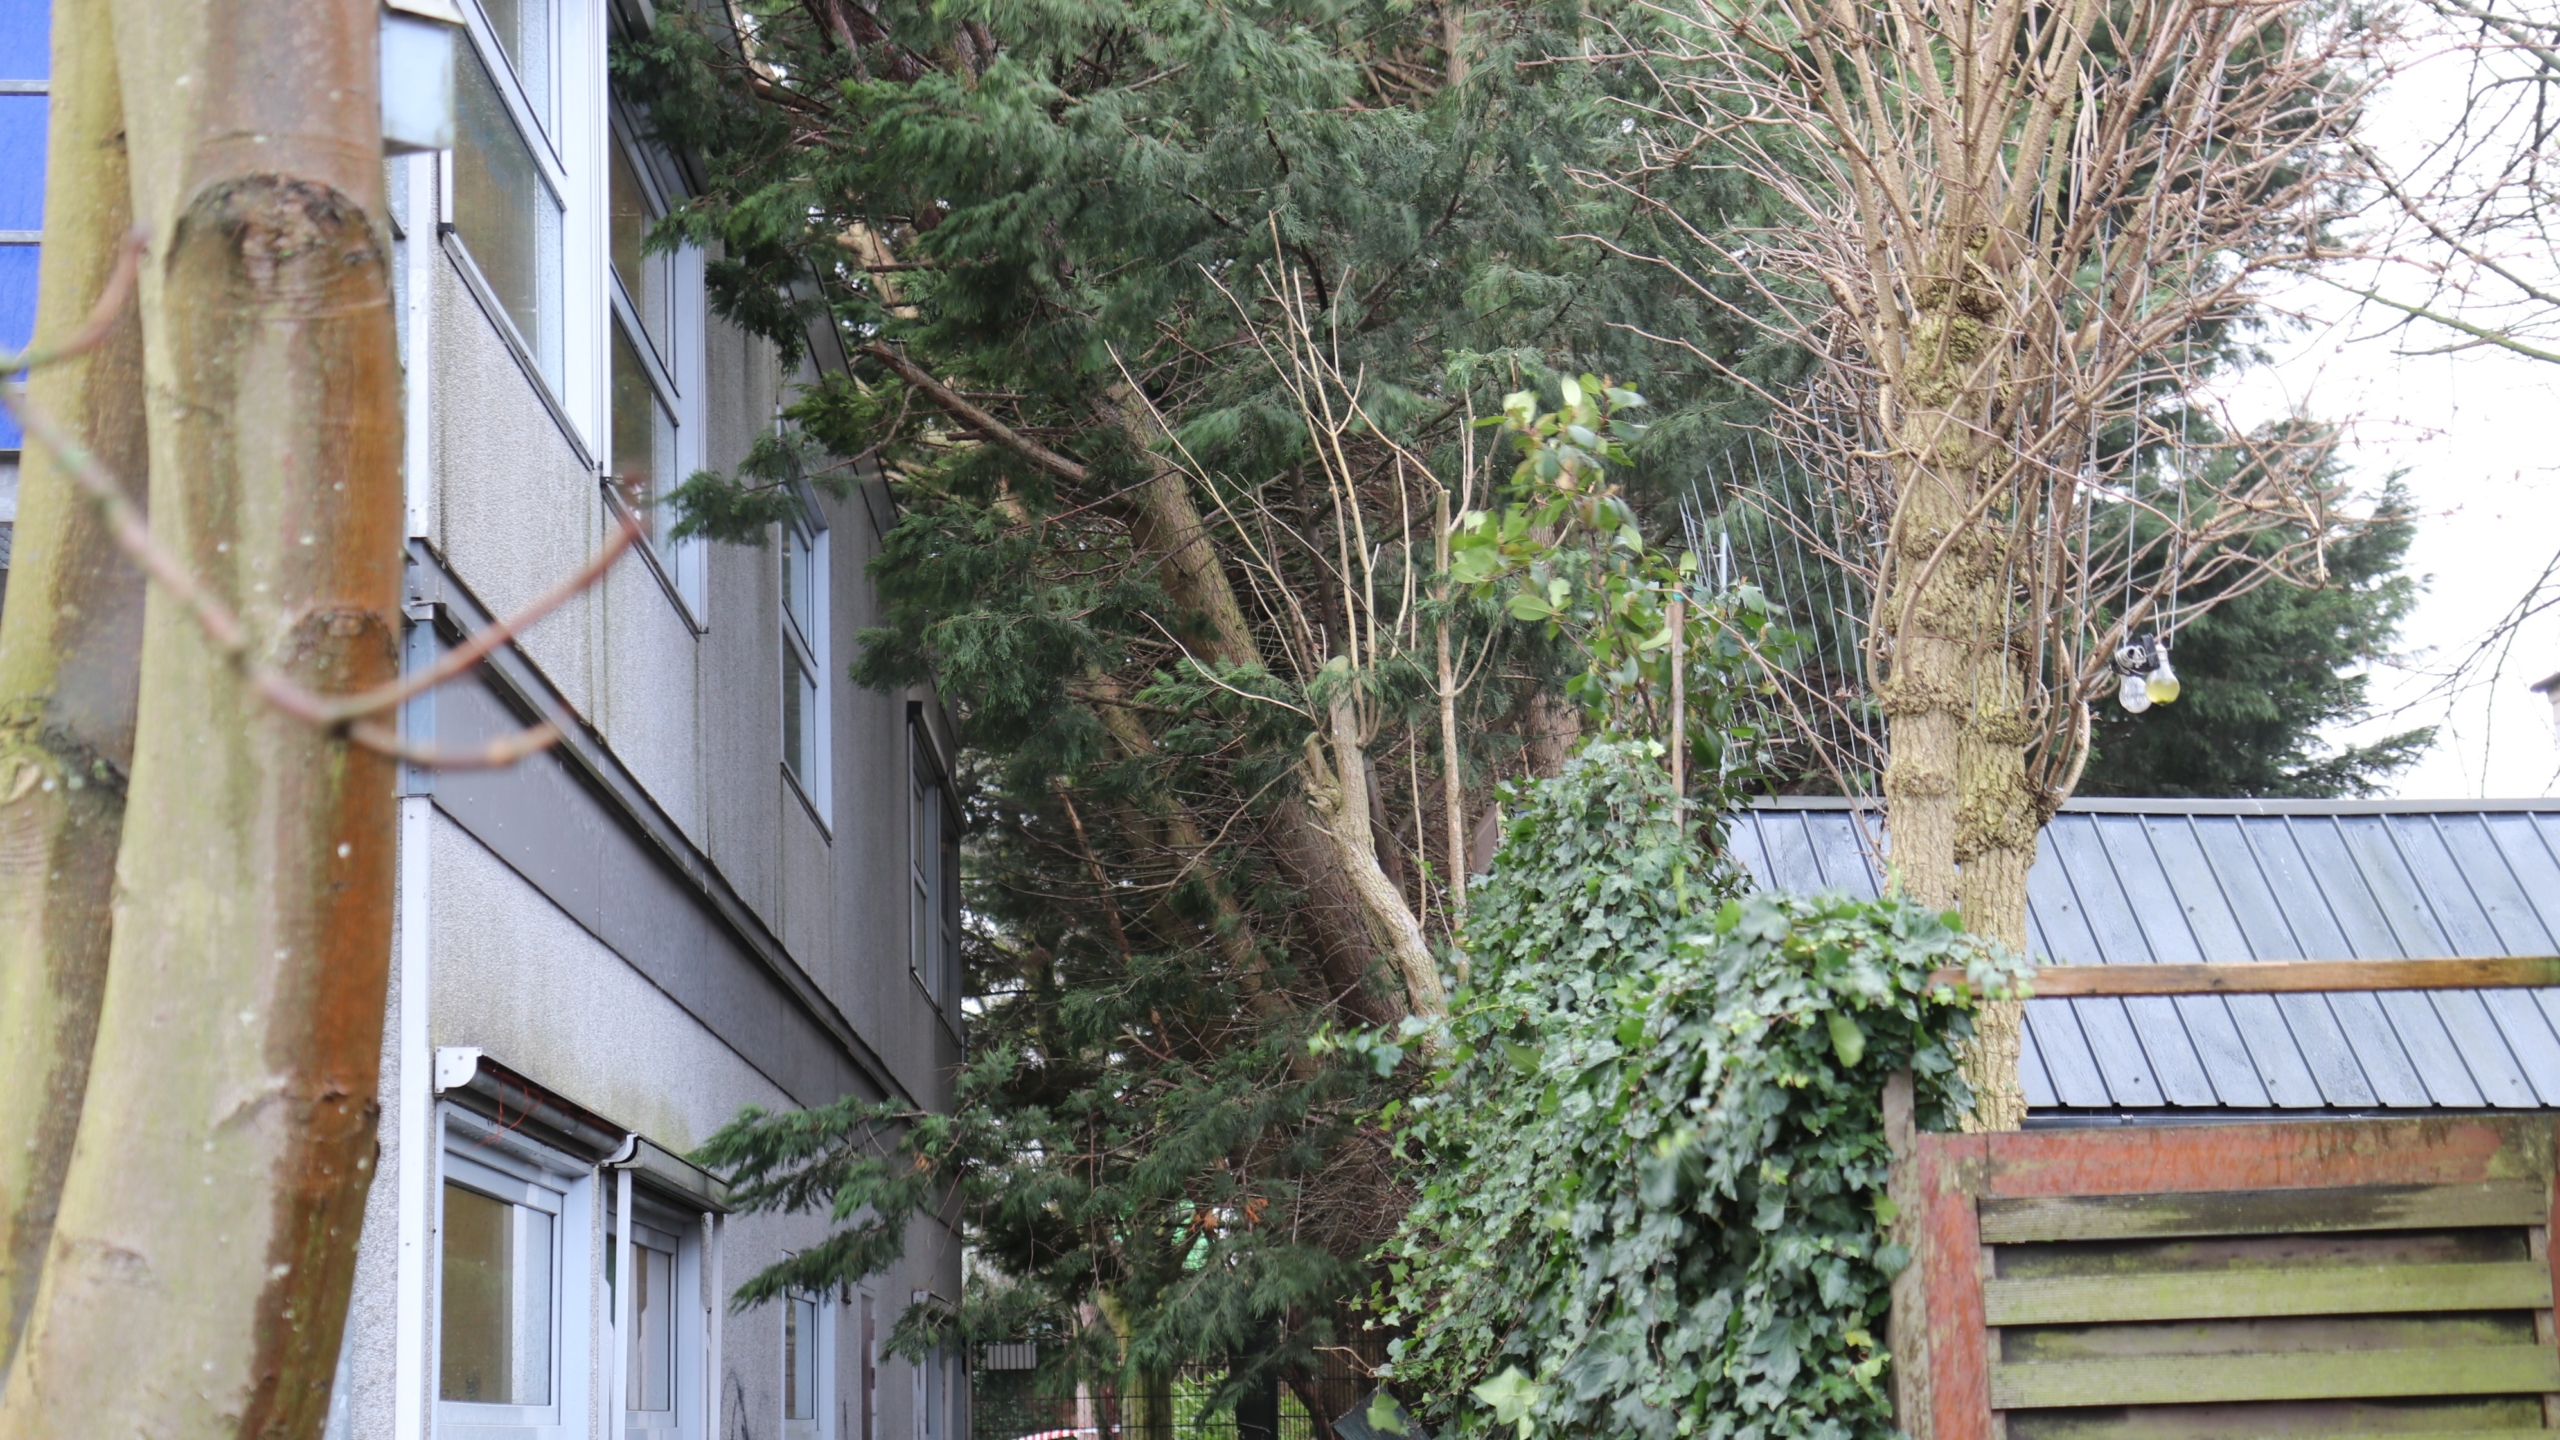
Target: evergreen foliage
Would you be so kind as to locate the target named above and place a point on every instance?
(1075, 250)
(2264, 674)
(1652, 1179)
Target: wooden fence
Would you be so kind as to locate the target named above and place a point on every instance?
(2219, 1281)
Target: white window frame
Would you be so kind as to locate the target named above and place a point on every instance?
(666, 1228)
(677, 375)
(486, 1158)
(810, 643)
(935, 1393)
(932, 893)
(820, 1426)
(568, 152)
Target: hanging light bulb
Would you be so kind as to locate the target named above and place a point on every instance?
(2134, 694)
(2162, 686)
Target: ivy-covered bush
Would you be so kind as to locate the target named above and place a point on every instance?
(1653, 1165)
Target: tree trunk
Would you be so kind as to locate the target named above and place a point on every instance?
(1960, 814)
(1346, 916)
(1340, 793)
(70, 661)
(197, 1280)
(1999, 815)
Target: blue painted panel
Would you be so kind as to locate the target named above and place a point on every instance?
(17, 317)
(26, 44)
(22, 161)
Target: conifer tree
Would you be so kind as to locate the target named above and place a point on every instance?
(1170, 322)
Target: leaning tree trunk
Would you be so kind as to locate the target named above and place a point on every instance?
(197, 1280)
(70, 654)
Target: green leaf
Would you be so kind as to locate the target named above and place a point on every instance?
(1848, 1041)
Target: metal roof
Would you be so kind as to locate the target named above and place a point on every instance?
(2129, 882)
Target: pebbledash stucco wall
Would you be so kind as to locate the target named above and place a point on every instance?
(651, 922)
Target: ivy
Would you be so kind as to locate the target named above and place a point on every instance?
(1652, 1169)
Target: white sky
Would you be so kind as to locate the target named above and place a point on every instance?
(2478, 435)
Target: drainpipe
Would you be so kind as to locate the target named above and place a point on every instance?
(618, 1421)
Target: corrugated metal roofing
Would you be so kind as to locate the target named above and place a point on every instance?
(2136, 882)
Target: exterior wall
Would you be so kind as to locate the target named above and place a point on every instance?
(650, 923)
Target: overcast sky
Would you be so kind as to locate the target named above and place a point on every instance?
(2478, 435)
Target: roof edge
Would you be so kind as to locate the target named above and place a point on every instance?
(2547, 805)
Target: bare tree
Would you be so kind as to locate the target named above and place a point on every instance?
(70, 662)
(2015, 238)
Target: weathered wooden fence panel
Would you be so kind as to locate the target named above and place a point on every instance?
(2327, 1278)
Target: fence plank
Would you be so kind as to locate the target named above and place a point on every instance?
(2226, 1294)
(2019, 1220)
(2284, 977)
(2347, 1374)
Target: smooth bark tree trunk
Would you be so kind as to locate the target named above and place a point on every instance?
(70, 664)
(197, 1279)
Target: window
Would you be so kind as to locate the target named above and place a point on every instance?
(806, 1357)
(506, 1232)
(644, 436)
(933, 853)
(497, 1299)
(651, 303)
(662, 1349)
(506, 205)
(804, 661)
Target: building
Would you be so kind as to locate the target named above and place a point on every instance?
(2130, 882)
(733, 884)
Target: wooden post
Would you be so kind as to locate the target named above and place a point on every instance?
(1679, 705)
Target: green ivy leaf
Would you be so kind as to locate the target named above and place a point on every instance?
(1848, 1040)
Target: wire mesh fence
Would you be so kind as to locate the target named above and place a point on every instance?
(1012, 1404)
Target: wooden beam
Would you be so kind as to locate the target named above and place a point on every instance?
(2249, 1293)
(2280, 977)
(2322, 1210)
(2318, 1375)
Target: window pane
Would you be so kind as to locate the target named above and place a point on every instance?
(644, 438)
(800, 1359)
(799, 713)
(504, 212)
(496, 1333)
(524, 32)
(644, 276)
(799, 580)
(653, 1339)
(22, 126)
